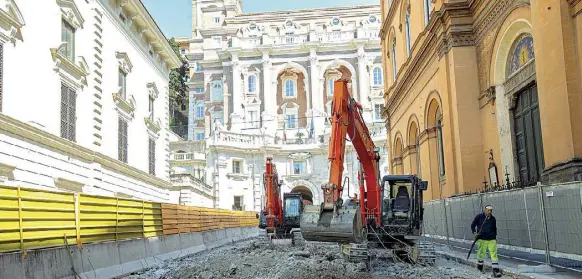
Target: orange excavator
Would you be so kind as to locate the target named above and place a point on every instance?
(278, 221)
(387, 213)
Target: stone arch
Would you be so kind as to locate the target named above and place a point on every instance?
(514, 25)
(398, 146)
(337, 63)
(306, 188)
(292, 65)
(433, 109)
(413, 130)
(302, 99)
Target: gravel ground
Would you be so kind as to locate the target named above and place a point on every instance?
(248, 260)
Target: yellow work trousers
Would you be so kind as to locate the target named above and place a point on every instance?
(485, 245)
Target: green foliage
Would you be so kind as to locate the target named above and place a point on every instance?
(178, 88)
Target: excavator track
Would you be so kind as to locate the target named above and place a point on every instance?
(298, 238)
(426, 253)
(263, 238)
(354, 252)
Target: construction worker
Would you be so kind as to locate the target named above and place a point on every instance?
(484, 228)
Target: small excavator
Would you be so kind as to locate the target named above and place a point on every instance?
(278, 221)
(387, 216)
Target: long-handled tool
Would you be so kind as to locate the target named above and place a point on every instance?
(476, 238)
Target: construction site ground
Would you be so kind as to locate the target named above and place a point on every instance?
(252, 260)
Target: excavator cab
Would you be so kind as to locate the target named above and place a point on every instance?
(402, 203)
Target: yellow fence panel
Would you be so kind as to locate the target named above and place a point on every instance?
(31, 218)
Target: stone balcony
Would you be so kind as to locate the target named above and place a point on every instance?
(186, 180)
(377, 131)
(298, 39)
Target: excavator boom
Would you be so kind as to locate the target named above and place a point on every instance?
(333, 222)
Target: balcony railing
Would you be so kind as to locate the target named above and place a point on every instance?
(186, 179)
(336, 36)
(238, 207)
(290, 39)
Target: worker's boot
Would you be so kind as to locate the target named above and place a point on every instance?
(480, 266)
(496, 272)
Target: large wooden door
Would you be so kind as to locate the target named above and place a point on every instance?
(528, 135)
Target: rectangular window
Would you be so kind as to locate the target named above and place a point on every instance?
(200, 110)
(299, 167)
(291, 121)
(238, 203)
(217, 95)
(68, 112)
(236, 166)
(182, 51)
(198, 90)
(68, 36)
(151, 108)
(289, 88)
(122, 140)
(199, 136)
(253, 119)
(198, 67)
(378, 111)
(122, 83)
(152, 156)
(216, 19)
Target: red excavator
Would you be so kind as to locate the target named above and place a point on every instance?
(277, 221)
(387, 215)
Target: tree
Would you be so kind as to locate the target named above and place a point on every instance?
(177, 86)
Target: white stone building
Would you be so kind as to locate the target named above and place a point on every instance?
(97, 121)
(260, 87)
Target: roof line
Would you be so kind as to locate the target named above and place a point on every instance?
(309, 10)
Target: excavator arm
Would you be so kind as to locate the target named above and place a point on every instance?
(332, 222)
(273, 206)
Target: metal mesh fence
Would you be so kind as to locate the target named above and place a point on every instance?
(543, 217)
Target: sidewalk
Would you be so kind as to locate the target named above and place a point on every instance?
(509, 265)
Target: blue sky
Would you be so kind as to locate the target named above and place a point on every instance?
(175, 16)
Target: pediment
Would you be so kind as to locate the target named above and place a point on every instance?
(71, 13)
(123, 61)
(153, 90)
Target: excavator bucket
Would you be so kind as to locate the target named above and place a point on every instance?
(342, 226)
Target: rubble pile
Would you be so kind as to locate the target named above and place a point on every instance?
(250, 260)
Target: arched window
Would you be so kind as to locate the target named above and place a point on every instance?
(440, 145)
(330, 83)
(217, 94)
(407, 29)
(427, 9)
(377, 76)
(394, 71)
(289, 88)
(252, 81)
(200, 110)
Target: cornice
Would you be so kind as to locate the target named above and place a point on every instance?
(42, 137)
(387, 22)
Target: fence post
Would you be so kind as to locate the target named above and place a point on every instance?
(544, 223)
(77, 198)
(24, 254)
(444, 202)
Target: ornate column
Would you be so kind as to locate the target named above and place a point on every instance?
(236, 115)
(269, 96)
(363, 76)
(317, 105)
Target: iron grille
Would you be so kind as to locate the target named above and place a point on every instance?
(68, 112)
(152, 156)
(122, 140)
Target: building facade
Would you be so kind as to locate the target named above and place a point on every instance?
(261, 86)
(188, 174)
(476, 94)
(98, 124)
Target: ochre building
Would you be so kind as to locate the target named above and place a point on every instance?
(483, 91)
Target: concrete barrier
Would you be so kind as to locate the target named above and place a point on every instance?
(112, 259)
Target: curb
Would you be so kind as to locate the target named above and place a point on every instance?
(487, 266)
